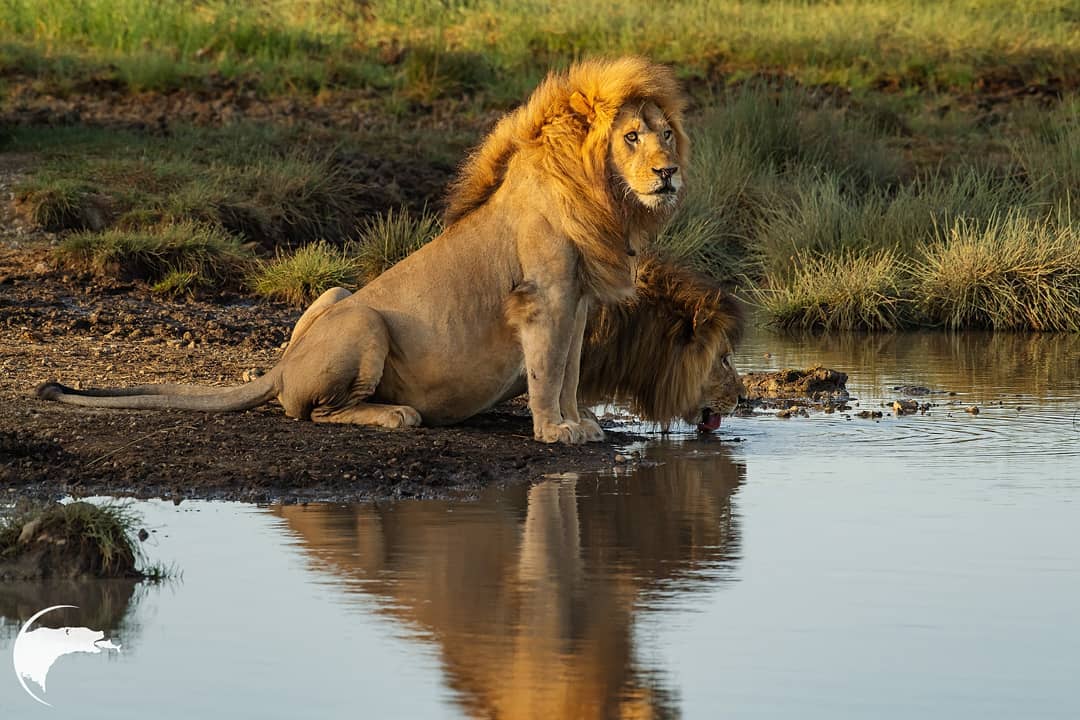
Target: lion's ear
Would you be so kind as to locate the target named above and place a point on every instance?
(581, 105)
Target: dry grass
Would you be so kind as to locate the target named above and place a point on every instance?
(1015, 272)
(845, 291)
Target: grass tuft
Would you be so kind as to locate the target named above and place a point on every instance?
(1015, 272)
(198, 254)
(301, 276)
(72, 539)
(385, 240)
(846, 291)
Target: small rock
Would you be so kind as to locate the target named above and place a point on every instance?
(868, 414)
(973, 410)
(905, 407)
(621, 458)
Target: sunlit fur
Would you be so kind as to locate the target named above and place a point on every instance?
(566, 130)
(666, 352)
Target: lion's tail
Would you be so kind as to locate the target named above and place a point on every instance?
(168, 397)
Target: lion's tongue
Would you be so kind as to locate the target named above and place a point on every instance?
(709, 421)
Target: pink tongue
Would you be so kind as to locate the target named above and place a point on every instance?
(711, 424)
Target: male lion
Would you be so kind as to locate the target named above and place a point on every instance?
(666, 353)
(545, 218)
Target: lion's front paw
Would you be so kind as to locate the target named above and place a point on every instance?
(593, 431)
(564, 432)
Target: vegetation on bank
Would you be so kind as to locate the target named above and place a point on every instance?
(857, 165)
(67, 540)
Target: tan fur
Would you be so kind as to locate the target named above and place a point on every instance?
(542, 222)
(666, 352)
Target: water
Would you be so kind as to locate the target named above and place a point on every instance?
(923, 566)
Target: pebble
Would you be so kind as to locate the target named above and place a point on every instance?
(973, 410)
(905, 407)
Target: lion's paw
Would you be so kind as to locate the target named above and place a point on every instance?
(565, 432)
(401, 416)
(593, 431)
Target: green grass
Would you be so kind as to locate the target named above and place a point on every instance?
(76, 538)
(502, 46)
(386, 239)
(1050, 155)
(303, 275)
(847, 290)
(1015, 272)
(177, 256)
(266, 188)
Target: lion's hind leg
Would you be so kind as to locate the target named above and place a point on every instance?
(336, 366)
(365, 413)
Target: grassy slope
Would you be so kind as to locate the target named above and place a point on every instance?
(865, 212)
(505, 45)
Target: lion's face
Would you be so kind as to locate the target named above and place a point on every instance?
(720, 393)
(644, 158)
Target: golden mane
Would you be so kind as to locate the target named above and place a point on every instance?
(565, 130)
(657, 351)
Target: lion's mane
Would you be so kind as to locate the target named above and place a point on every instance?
(656, 352)
(565, 129)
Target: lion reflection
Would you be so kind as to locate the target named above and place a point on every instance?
(531, 593)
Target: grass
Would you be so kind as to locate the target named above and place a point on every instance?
(1014, 272)
(268, 190)
(385, 240)
(830, 140)
(174, 257)
(72, 539)
(503, 46)
(303, 275)
(848, 290)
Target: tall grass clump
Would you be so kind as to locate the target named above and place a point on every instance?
(384, 240)
(1015, 272)
(301, 276)
(205, 254)
(844, 291)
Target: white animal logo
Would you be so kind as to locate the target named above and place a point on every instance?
(37, 650)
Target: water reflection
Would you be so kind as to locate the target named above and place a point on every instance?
(530, 594)
(1043, 365)
(105, 605)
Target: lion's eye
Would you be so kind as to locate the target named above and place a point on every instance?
(631, 137)
(667, 134)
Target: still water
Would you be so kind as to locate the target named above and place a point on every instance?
(830, 567)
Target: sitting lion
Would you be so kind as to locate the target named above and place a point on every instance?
(667, 352)
(545, 218)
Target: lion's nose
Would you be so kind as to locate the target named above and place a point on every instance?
(665, 173)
